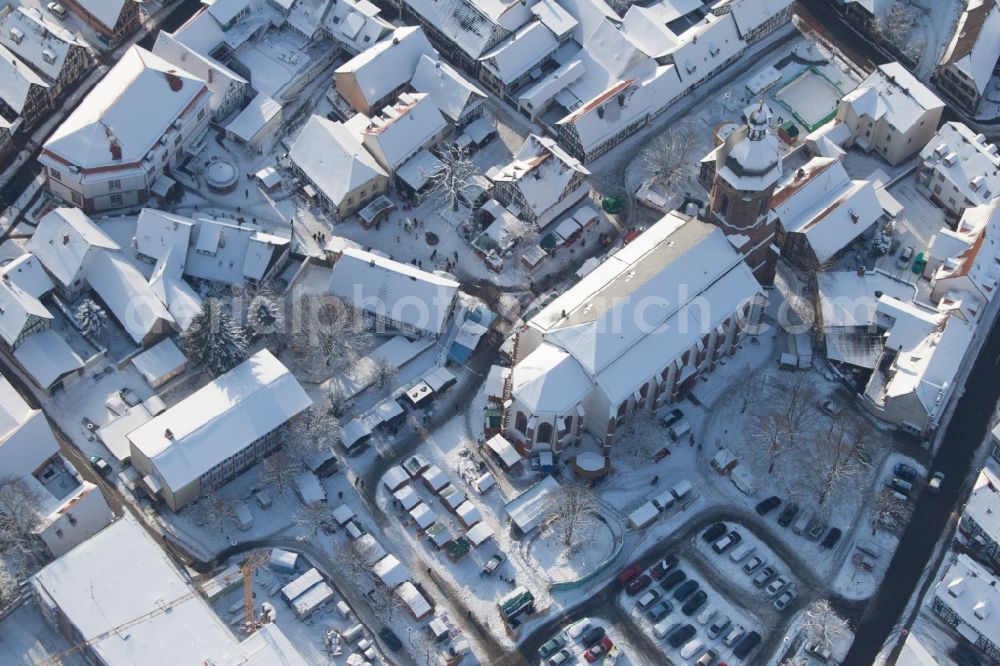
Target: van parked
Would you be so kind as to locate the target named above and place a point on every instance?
(741, 553)
(802, 524)
(664, 627)
(680, 430)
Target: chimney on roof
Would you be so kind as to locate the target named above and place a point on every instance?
(174, 81)
(116, 151)
(65, 239)
(395, 40)
(168, 434)
(801, 173)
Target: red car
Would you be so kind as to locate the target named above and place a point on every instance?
(628, 573)
(599, 650)
(638, 585)
(661, 454)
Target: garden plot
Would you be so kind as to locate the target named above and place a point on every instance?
(723, 607)
(733, 571)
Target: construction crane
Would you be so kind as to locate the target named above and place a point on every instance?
(254, 560)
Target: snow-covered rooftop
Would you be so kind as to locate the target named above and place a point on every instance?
(16, 80)
(983, 505)
(105, 11)
(402, 129)
(160, 360)
(140, 85)
(26, 440)
(706, 46)
(65, 241)
(972, 249)
(258, 113)
(971, 593)
(27, 272)
(220, 419)
(554, 17)
(449, 90)
(17, 306)
(120, 574)
(542, 171)
(356, 24)
(520, 52)
(893, 93)
(751, 14)
(41, 43)
(549, 380)
(333, 159)
(528, 509)
(46, 356)
(965, 159)
(975, 46)
(398, 291)
(385, 66)
(158, 231)
(128, 296)
(849, 299)
(473, 27)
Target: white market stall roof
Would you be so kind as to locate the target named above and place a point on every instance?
(439, 379)
(419, 393)
(309, 488)
(416, 603)
(452, 497)
(423, 516)
(532, 506)
(479, 534)
(307, 604)
(407, 497)
(269, 176)
(395, 477)
(391, 572)
(299, 585)
(434, 478)
(485, 482)
(369, 550)
(643, 516)
(468, 513)
(355, 432)
(159, 361)
(342, 514)
(499, 445)
(418, 169)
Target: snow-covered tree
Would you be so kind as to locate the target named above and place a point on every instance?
(888, 511)
(278, 471)
(453, 179)
(213, 509)
(509, 306)
(8, 586)
(264, 315)
(214, 340)
(768, 429)
(643, 437)
(20, 507)
(314, 517)
(895, 24)
(327, 335)
(91, 318)
(572, 515)
(383, 374)
(672, 156)
(841, 457)
(350, 563)
(338, 402)
(315, 429)
(520, 231)
(822, 625)
(424, 648)
(747, 385)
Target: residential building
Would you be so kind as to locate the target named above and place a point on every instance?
(979, 524)
(229, 90)
(756, 19)
(355, 25)
(403, 129)
(22, 313)
(127, 297)
(375, 77)
(541, 182)
(99, 158)
(57, 54)
(891, 113)
(704, 50)
(345, 176)
(508, 66)
(959, 169)
(120, 575)
(914, 377)
(747, 168)
(962, 263)
(217, 432)
(459, 101)
(392, 296)
(24, 94)
(632, 335)
(964, 598)
(968, 62)
(69, 509)
(114, 20)
(819, 210)
(66, 242)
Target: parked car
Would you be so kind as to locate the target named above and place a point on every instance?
(719, 626)
(817, 528)
(491, 567)
(390, 639)
(561, 657)
(57, 9)
(680, 635)
(686, 589)
(754, 563)
(742, 552)
(671, 579)
(832, 537)
(822, 654)
(660, 610)
(663, 566)
(578, 628)
(714, 533)
(102, 466)
(727, 542)
(747, 645)
(905, 256)
(661, 629)
(934, 485)
(764, 576)
(803, 522)
(900, 486)
(550, 646)
(593, 635)
(706, 615)
(694, 602)
(638, 585)
(602, 648)
(735, 634)
(905, 472)
(786, 597)
(788, 514)
(768, 505)
(707, 658)
(671, 417)
(831, 407)
(691, 648)
(776, 585)
(649, 598)
(628, 573)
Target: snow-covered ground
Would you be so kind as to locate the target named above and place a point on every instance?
(27, 639)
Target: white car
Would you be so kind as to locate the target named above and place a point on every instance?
(578, 628)
(647, 600)
(741, 553)
(57, 9)
(691, 648)
(707, 614)
(785, 598)
(776, 585)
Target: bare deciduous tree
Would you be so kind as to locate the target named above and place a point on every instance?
(840, 456)
(383, 374)
(453, 179)
(278, 470)
(747, 385)
(768, 429)
(644, 436)
(351, 563)
(895, 24)
(8, 586)
(822, 625)
(671, 157)
(520, 231)
(888, 512)
(213, 509)
(327, 335)
(572, 515)
(314, 517)
(423, 647)
(338, 401)
(20, 505)
(315, 429)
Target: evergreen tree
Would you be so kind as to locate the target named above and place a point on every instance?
(91, 318)
(264, 316)
(214, 340)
